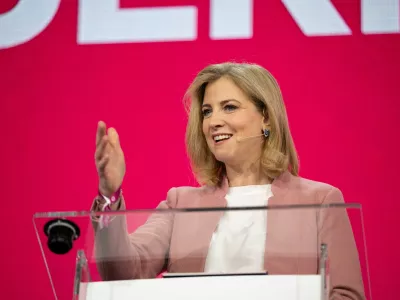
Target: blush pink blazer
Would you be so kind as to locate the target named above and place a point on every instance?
(180, 242)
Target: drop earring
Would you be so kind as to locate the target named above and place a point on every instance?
(266, 132)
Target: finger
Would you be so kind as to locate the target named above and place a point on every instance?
(103, 162)
(101, 131)
(100, 149)
(113, 137)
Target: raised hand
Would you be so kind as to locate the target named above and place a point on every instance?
(110, 160)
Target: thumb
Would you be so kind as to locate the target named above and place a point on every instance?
(113, 137)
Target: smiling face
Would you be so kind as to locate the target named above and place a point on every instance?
(229, 115)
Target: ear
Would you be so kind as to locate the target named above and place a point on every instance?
(265, 122)
(265, 119)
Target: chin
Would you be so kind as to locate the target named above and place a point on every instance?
(224, 158)
(224, 155)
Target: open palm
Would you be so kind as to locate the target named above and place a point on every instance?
(110, 160)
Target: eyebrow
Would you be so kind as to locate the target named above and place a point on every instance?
(223, 102)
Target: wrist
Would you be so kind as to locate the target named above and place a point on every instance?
(107, 191)
(107, 204)
(110, 199)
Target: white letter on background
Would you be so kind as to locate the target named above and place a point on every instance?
(25, 21)
(231, 19)
(380, 16)
(317, 17)
(104, 22)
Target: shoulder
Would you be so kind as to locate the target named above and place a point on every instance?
(312, 191)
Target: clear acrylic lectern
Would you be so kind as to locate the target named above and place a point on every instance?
(301, 252)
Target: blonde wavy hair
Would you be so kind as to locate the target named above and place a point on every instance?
(279, 153)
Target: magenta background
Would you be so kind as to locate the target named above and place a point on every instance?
(341, 95)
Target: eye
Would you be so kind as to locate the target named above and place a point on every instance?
(206, 112)
(230, 107)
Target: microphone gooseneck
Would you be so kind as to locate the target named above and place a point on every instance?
(240, 139)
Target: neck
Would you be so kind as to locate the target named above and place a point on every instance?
(246, 175)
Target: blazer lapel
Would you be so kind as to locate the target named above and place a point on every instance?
(279, 188)
(212, 198)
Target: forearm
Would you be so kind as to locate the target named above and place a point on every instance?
(141, 254)
(115, 255)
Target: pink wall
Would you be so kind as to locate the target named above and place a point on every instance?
(341, 94)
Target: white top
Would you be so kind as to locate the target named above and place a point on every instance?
(238, 243)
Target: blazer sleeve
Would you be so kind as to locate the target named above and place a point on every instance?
(142, 254)
(345, 278)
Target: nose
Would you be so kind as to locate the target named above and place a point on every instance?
(216, 121)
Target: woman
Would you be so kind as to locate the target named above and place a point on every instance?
(242, 152)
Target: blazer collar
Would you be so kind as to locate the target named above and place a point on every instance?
(215, 196)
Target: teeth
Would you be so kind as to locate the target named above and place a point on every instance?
(222, 137)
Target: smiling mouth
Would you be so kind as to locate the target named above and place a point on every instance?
(221, 138)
